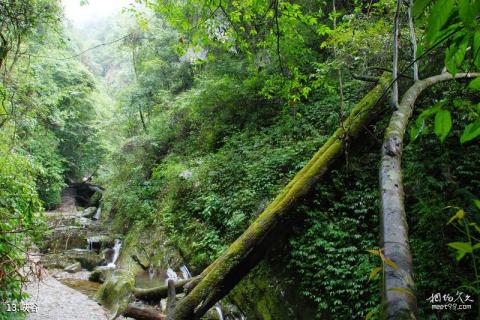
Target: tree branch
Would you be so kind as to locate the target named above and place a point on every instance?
(399, 296)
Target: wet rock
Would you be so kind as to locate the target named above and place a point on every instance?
(64, 238)
(74, 267)
(97, 243)
(95, 199)
(89, 212)
(108, 254)
(100, 274)
(88, 260)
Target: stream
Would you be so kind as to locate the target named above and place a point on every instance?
(76, 247)
(78, 255)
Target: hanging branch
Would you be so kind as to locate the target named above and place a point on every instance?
(277, 26)
(396, 43)
(413, 40)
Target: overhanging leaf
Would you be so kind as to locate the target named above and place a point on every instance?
(459, 215)
(477, 203)
(474, 84)
(443, 124)
(463, 246)
(419, 7)
(462, 249)
(470, 132)
(466, 12)
(439, 15)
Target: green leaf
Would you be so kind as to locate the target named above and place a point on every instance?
(462, 249)
(443, 124)
(477, 203)
(471, 132)
(419, 7)
(450, 59)
(476, 49)
(461, 50)
(473, 224)
(474, 84)
(459, 215)
(463, 246)
(415, 132)
(466, 12)
(439, 15)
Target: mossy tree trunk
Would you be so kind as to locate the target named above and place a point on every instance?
(245, 252)
(398, 291)
(158, 293)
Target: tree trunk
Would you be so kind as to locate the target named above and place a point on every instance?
(158, 293)
(396, 43)
(142, 313)
(398, 291)
(413, 40)
(245, 252)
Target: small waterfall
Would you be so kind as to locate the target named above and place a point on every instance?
(187, 275)
(151, 272)
(219, 311)
(116, 253)
(171, 275)
(97, 213)
(185, 272)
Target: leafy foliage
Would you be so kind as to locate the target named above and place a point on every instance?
(20, 221)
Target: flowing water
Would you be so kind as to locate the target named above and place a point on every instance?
(185, 272)
(116, 253)
(171, 275)
(187, 275)
(97, 213)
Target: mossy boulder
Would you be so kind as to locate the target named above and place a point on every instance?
(100, 274)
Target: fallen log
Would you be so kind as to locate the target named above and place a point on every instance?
(161, 292)
(142, 313)
(245, 252)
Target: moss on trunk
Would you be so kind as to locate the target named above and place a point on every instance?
(244, 253)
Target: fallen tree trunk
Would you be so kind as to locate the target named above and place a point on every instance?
(245, 252)
(142, 313)
(399, 296)
(158, 293)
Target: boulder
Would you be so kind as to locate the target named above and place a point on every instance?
(95, 198)
(73, 267)
(89, 212)
(100, 274)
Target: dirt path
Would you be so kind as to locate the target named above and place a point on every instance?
(57, 301)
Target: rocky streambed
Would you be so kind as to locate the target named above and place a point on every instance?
(75, 255)
(82, 263)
